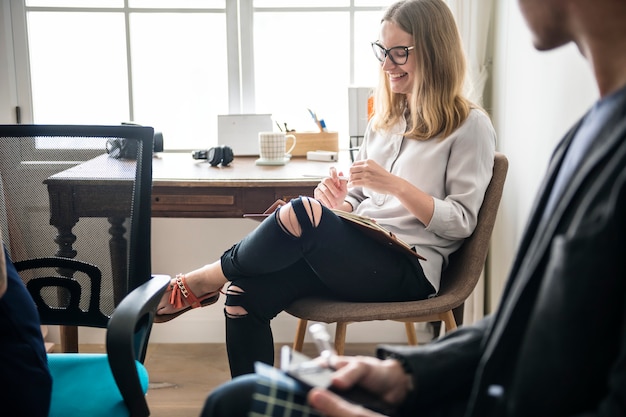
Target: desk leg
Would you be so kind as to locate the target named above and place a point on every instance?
(118, 247)
(65, 239)
(69, 339)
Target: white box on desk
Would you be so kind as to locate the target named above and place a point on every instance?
(241, 131)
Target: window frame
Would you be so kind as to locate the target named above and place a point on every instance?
(239, 16)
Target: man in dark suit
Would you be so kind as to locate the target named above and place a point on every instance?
(557, 344)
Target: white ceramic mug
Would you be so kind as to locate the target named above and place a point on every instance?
(272, 146)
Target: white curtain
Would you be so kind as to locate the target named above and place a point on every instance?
(473, 18)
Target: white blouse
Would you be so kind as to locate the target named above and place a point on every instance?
(455, 171)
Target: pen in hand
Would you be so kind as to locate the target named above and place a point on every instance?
(337, 178)
(340, 177)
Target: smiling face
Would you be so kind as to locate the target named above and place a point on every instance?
(401, 77)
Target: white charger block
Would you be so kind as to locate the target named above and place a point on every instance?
(325, 156)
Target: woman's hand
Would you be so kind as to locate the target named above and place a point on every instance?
(385, 379)
(332, 191)
(369, 174)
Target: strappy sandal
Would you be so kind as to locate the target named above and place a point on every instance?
(181, 292)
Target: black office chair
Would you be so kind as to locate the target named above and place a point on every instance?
(109, 283)
(43, 168)
(108, 384)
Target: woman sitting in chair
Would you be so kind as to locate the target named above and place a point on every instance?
(421, 172)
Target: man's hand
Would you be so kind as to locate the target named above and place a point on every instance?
(332, 405)
(384, 379)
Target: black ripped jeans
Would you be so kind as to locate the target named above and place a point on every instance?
(274, 268)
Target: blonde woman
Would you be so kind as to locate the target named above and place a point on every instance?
(421, 172)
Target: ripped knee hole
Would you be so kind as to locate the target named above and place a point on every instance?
(235, 311)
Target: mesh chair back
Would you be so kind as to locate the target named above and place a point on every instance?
(58, 182)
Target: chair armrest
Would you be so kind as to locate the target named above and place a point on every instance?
(127, 338)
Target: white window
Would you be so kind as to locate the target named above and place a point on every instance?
(176, 64)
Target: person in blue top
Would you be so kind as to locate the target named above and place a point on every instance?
(25, 381)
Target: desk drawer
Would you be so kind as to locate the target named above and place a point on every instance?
(195, 202)
(258, 199)
(95, 201)
(219, 202)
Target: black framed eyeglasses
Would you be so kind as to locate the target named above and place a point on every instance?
(399, 55)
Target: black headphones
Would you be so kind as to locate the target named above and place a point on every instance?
(218, 155)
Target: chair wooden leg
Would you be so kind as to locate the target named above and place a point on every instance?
(340, 337)
(298, 341)
(448, 320)
(458, 317)
(411, 334)
(458, 314)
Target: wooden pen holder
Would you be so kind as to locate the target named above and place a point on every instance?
(315, 141)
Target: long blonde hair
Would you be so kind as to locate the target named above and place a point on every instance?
(437, 105)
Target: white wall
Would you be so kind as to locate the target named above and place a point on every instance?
(536, 97)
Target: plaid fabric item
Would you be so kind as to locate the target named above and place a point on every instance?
(278, 395)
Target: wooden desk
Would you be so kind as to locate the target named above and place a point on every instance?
(182, 187)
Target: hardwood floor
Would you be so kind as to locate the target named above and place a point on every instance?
(182, 375)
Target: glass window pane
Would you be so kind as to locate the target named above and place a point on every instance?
(78, 70)
(180, 75)
(299, 66)
(179, 4)
(301, 3)
(75, 3)
(180, 78)
(373, 3)
(366, 30)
